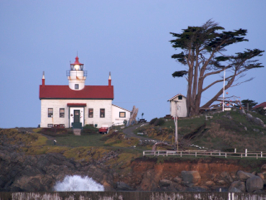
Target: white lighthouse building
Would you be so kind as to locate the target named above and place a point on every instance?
(77, 104)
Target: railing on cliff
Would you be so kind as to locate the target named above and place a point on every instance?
(205, 153)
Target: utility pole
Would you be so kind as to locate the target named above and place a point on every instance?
(223, 89)
(176, 125)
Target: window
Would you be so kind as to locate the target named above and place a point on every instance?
(61, 112)
(50, 112)
(102, 113)
(90, 112)
(122, 114)
(49, 125)
(180, 97)
(76, 86)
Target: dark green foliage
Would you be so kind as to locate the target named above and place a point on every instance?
(179, 73)
(159, 122)
(89, 129)
(54, 131)
(201, 50)
(153, 120)
(248, 103)
(261, 111)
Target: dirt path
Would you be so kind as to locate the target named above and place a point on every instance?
(129, 133)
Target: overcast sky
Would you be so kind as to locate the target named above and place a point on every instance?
(128, 38)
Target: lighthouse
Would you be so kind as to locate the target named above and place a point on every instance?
(76, 104)
(76, 75)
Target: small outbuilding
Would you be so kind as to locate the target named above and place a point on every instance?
(178, 106)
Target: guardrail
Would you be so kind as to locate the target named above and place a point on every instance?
(199, 153)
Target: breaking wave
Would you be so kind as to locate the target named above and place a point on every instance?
(78, 183)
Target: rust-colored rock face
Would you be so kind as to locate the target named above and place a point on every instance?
(148, 175)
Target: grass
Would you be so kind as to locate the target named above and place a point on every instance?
(77, 141)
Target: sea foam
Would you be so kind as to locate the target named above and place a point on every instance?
(78, 183)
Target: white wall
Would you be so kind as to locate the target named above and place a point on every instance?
(116, 119)
(180, 107)
(62, 103)
(73, 79)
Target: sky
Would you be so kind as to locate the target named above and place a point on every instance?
(128, 38)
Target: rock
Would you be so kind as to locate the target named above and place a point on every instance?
(177, 180)
(254, 183)
(123, 186)
(237, 186)
(249, 117)
(189, 177)
(234, 190)
(164, 183)
(243, 176)
(221, 182)
(263, 167)
(261, 175)
(227, 176)
(210, 183)
(242, 112)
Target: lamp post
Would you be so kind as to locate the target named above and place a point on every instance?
(176, 125)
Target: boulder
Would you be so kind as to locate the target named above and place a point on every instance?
(123, 186)
(227, 176)
(254, 184)
(210, 183)
(164, 183)
(177, 179)
(263, 167)
(237, 186)
(243, 176)
(190, 177)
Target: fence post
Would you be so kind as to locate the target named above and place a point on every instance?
(246, 152)
(166, 153)
(154, 153)
(143, 153)
(225, 155)
(219, 153)
(195, 154)
(181, 154)
(235, 150)
(241, 155)
(256, 156)
(261, 154)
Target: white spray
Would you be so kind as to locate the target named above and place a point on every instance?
(78, 183)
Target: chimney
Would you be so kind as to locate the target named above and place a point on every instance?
(43, 79)
(109, 79)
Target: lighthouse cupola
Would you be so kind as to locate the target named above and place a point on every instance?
(76, 75)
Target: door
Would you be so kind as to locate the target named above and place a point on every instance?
(76, 116)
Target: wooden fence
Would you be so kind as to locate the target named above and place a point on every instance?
(202, 153)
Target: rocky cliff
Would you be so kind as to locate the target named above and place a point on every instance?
(23, 172)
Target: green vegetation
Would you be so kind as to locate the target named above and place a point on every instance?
(224, 131)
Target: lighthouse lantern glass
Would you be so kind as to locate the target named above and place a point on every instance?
(77, 67)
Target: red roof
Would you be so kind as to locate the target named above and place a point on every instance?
(263, 105)
(64, 92)
(77, 61)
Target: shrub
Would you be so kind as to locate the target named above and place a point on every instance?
(159, 122)
(54, 131)
(153, 120)
(89, 129)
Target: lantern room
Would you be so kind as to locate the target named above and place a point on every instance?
(76, 66)
(76, 75)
